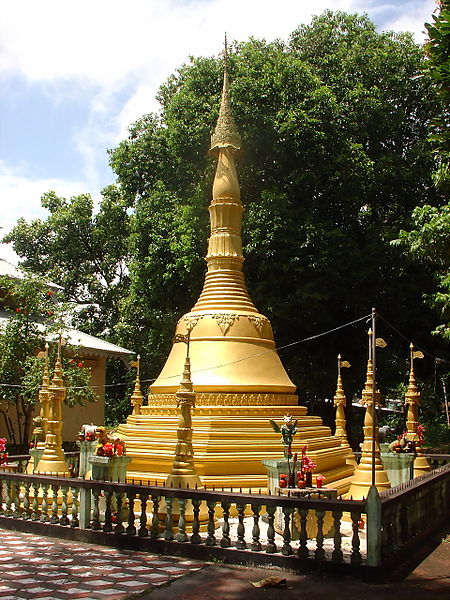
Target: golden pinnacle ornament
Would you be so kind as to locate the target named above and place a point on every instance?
(183, 473)
(412, 399)
(340, 403)
(52, 461)
(40, 422)
(370, 470)
(137, 398)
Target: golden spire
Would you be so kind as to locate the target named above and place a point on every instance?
(225, 134)
(225, 287)
(44, 394)
(232, 344)
(371, 455)
(368, 391)
(46, 375)
(52, 461)
(57, 380)
(340, 402)
(137, 398)
(412, 399)
(183, 473)
(412, 395)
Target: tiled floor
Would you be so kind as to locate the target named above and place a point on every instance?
(51, 569)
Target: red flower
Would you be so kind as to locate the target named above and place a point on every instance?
(308, 464)
(80, 364)
(50, 293)
(17, 310)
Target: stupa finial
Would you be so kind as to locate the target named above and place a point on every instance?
(57, 380)
(46, 373)
(137, 397)
(340, 402)
(225, 134)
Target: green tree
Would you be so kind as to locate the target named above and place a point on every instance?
(335, 158)
(34, 314)
(428, 236)
(83, 251)
(437, 50)
(429, 242)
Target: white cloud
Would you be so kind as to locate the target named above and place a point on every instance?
(116, 54)
(21, 198)
(141, 102)
(414, 20)
(107, 40)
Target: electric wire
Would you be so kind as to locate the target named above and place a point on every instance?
(277, 349)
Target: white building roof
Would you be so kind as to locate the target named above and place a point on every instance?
(88, 343)
(15, 272)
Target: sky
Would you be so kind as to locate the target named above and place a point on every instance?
(75, 74)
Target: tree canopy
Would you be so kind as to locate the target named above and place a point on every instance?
(437, 50)
(428, 239)
(33, 314)
(335, 159)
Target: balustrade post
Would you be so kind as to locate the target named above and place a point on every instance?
(373, 508)
(84, 498)
(303, 551)
(320, 552)
(131, 527)
(44, 504)
(64, 520)
(2, 494)
(286, 549)
(26, 501)
(168, 531)
(256, 543)
(195, 537)
(225, 542)
(8, 502)
(54, 516)
(119, 528)
(211, 539)
(35, 508)
(355, 557)
(337, 554)
(107, 525)
(181, 536)
(96, 525)
(154, 531)
(240, 543)
(143, 531)
(271, 546)
(75, 522)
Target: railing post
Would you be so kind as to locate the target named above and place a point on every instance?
(373, 508)
(84, 510)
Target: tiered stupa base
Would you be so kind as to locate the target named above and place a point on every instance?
(230, 440)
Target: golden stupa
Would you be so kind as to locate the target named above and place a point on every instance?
(239, 380)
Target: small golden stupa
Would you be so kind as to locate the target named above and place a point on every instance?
(370, 468)
(183, 472)
(340, 402)
(412, 399)
(53, 461)
(239, 380)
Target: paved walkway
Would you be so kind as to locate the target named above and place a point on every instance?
(52, 569)
(32, 566)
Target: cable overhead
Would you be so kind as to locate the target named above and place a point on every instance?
(278, 349)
